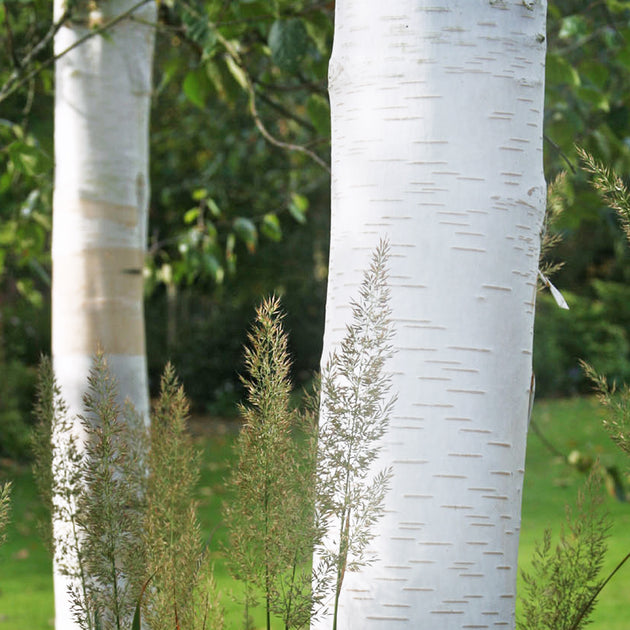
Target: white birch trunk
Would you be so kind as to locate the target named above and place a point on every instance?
(103, 90)
(437, 122)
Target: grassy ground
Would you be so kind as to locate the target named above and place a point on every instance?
(550, 485)
(26, 586)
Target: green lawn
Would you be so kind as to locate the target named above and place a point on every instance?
(550, 485)
(26, 586)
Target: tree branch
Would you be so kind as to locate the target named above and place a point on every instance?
(561, 153)
(248, 86)
(15, 82)
(285, 112)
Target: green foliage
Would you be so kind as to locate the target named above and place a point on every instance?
(16, 385)
(611, 187)
(564, 585)
(354, 417)
(587, 77)
(561, 588)
(585, 105)
(594, 329)
(617, 405)
(248, 68)
(270, 517)
(288, 42)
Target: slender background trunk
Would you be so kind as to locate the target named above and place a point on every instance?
(102, 95)
(437, 114)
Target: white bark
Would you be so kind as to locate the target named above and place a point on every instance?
(437, 146)
(100, 204)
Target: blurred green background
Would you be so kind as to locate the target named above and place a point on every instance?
(233, 219)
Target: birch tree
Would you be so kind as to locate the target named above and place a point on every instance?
(103, 86)
(437, 114)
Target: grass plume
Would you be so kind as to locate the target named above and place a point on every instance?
(355, 409)
(125, 528)
(610, 186)
(270, 517)
(182, 589)
(561, 589)
(5, 508)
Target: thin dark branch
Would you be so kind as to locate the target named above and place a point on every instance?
(272, 139)
(14, 84)
(561, 153)
(285, 112)
(10, 44)
(552, 449)
(260, 125)
(319, 87)
(52, 31)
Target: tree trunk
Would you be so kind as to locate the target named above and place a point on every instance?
(103, 88)
(437, 123)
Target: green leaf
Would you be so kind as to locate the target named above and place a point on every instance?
(320, 28)
(246, 231)
(618, 6)
(38, 268)
(190, 216)
(196, 87)
(199, 194)
(319, 113)
(230, 255)
(594, 97)
(200, 30)
(212, 267)
(271, 227)
(8, 232)
(573, 26)
(215, 211)
(237, 72)
(135, 624)
(29, 205)
(27, 289)
(623, 57)
(298, 205)
(595, 72)
(252, 9)
(5, 181)
(27, 159)
(558, 71)
(288, 41)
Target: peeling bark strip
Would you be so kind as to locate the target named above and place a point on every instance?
(437, 146)
(102, 91)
